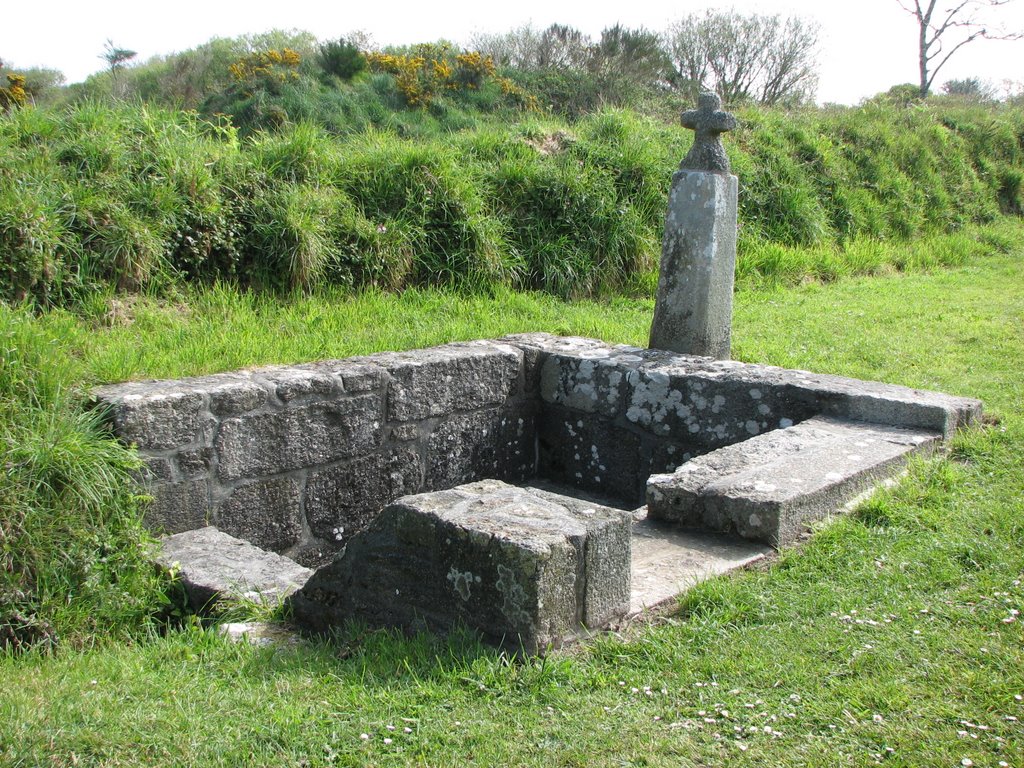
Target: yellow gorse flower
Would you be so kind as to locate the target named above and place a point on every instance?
(433, 69)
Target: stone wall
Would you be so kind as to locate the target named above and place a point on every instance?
(613, 415)
(297, 459)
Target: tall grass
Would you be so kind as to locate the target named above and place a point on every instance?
(141, 198)
(72, 548)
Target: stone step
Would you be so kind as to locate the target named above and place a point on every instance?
(768, 488)
(213, 565)
(666, 560)
(528, 568)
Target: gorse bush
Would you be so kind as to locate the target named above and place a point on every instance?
(140, 198)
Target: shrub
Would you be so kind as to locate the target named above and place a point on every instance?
(341, 59)
(14, 95)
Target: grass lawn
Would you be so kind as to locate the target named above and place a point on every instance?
(890, 638)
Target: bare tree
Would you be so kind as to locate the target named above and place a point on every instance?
(941, 34)
(766, 59)
(526, 48)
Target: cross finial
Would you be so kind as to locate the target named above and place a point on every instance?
(710, 122)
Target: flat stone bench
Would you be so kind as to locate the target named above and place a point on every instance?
(529, 568)
(769, 487)
(213, 565)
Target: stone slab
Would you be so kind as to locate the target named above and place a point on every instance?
(669, 394)
(214, 565)
(528, 568)
(667, 561)
(769, 487)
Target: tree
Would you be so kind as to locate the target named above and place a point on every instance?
(766, 59)
(529, 49)
(341, 58)
(116, 58)
(940, 35)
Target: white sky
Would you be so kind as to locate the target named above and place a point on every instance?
(866, 45)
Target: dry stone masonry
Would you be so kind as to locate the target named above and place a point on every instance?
(297, 459)
(414, 465)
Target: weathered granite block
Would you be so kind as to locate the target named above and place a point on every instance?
(153, 415)
(341, 500)
(493, 443)
(233, 396)
(525, 568)
(303, 436)
(769, 487)
(592, 383)
(591, 453)
(266, 513)
(178, 507)
(455, 377)
(195, 462)
(156, 469)
(213, 565)
(709, 411)
(292, 383)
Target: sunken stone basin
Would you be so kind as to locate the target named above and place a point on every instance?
(301, 460)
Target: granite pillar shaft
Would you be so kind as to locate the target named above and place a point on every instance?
(693, 310)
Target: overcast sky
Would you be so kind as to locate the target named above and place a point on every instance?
(866, 45)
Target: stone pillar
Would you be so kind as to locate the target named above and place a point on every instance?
(693, 310)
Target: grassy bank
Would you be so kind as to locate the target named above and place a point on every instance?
(890, 637)
(137, 197)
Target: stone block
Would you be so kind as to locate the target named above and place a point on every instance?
(156, 469)
(302, 436)
(706, 407)
(494, 443)
(769, 487)
(592, 383)
(591, 453)
(235, 396)
(527, 569)
(178, 507)
(214, 565)
(153, 416)
(341, 500)
(195, 462)
(455, 377)
(292, 383)
(265, 513)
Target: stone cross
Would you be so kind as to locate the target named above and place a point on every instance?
(710, 122)
(693, 310)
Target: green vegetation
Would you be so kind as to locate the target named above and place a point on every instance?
(307, 187)
(73, 553)
(143, 198)
(889, 636)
